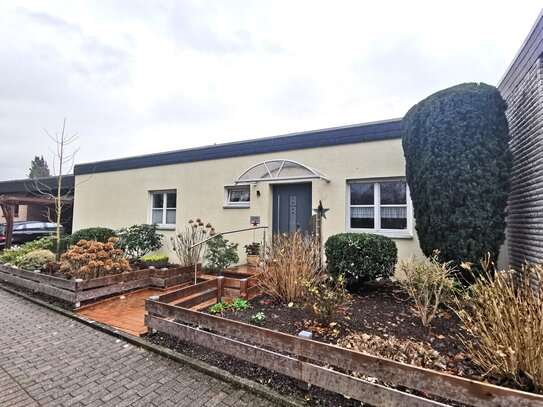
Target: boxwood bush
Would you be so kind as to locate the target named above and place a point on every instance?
(97, 234)
(360, 257)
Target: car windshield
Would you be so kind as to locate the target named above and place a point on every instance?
(2, 229)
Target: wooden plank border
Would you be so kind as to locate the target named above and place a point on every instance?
(188, 291)
(75, 291)
(39, 287)
(445, 385)
(328, 379)
(41, 278)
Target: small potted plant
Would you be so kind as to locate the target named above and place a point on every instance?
(253, 253)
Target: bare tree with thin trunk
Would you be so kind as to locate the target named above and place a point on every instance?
(63, 163)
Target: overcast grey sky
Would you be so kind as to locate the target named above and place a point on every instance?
(135, 77)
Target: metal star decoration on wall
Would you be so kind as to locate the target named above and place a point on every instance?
(321, 211)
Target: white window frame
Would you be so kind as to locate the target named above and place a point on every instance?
(163, 225)
(233, 204)
(394, 233)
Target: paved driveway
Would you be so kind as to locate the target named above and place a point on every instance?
(47, 359)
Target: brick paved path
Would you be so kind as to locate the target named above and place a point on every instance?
(47, 359)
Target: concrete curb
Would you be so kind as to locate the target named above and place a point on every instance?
(203, 367)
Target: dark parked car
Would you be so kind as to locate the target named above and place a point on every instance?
(27, 231)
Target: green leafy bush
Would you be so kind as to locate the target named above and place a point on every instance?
(218, 308)
(237, 304)
(220, 254)
(428, 282)
(155, 260)
(37, 259)
(90, 259)
(360, 257)
(14, 256)
(458, 166)
(138, 240)
(97, 234)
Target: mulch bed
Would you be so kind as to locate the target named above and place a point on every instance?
(380, 308)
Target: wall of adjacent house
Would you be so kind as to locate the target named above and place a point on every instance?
(525, 208)
(121, 198)
(19, 216)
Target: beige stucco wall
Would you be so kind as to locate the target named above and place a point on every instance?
(121, 198)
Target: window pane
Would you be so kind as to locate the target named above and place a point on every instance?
(170, 216)
(157, 216)
(394, 218)
(171, 200)
(362, 194)
(239, 195)
(393, 193)
(158, 200)
(362, 218)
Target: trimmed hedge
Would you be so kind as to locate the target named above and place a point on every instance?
(360, 257)
(97, 234)
(458, 166)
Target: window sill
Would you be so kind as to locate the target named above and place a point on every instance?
(165, 227)
(393, 234)
(236, 206)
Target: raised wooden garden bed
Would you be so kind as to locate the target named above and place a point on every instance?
(211, 289)
(326, 365)
(76, 291)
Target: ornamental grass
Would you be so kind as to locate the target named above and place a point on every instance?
(292, 264)
(503, 315)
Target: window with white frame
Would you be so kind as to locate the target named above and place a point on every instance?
(239, 196)
(163, 208)
(379, 206)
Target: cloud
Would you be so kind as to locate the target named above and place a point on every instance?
(191, 26)
(182, 109)
(44, 18)
(136, 77)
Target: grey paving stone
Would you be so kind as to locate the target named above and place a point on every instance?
(47, 359)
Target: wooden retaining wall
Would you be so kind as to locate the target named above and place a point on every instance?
(76, 291)
(304, 359)
(215, 287)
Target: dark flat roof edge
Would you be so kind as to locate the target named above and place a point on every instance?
(31, 185)
(382, 130)
(530, 50)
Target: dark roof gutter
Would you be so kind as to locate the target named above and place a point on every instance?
(32, 186)
(384, 130)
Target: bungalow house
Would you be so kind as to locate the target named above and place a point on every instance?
(357, 173)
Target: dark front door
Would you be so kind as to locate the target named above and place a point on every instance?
(291, 207)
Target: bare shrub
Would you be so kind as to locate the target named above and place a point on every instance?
(426, 281)
(327, 299)
(503, 314)
(293, 263)
(195, 232)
